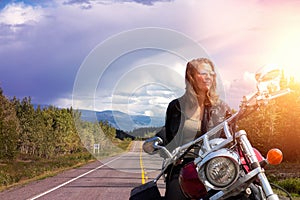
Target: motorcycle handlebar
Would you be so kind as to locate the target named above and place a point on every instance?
(256, 98)
(279, 93)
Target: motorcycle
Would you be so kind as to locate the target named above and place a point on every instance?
(228, 167)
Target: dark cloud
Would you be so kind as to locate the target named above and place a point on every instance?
(26, 74)
(87, 4)
(84, 4)
(38, 63)
(148, 2)
(76, 1)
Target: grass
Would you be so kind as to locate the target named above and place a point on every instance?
(22, 171)
(292, 185)
(287, 176)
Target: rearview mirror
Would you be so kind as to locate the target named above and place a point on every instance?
(151, 145)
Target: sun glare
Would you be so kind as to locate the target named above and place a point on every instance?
(286, 52)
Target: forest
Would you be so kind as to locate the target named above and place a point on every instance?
(26, 131)
(276, 125)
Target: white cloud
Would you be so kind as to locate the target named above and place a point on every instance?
(149, 113)
(144, 99)
(63, 102)
(16, 14)
(249, 77)
(239, 88)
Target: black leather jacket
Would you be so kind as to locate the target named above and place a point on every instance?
(213, 115)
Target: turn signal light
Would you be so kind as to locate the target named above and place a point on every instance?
(274, 156)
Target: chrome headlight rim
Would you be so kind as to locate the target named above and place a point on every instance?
(202, 168)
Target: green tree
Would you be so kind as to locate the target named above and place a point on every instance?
(9, 129)
(276, 125)
(288, 108)
(26, 115)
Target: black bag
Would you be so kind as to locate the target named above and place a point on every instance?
(147, 191)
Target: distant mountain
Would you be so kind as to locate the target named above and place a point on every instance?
(117, 119)
(121, 120)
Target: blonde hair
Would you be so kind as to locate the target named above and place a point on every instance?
(191, 85)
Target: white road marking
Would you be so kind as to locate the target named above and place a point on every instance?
(63, 184)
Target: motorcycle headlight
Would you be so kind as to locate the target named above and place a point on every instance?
(220, 169)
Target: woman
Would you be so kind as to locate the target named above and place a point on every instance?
(192, 115)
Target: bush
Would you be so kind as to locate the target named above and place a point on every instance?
(292, 185)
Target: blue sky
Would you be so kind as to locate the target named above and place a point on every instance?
(45, 45)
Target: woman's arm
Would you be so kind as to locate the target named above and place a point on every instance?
(172, 122)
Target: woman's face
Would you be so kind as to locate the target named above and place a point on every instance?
(205, 76)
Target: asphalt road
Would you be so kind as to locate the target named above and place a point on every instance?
(109, 179)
